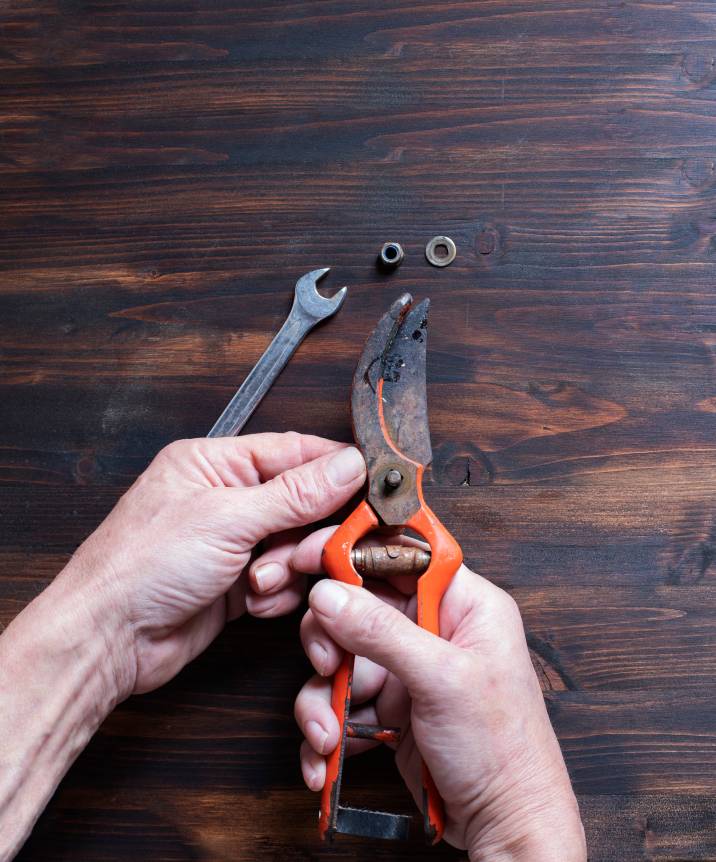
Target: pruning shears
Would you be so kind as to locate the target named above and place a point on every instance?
(390, 425)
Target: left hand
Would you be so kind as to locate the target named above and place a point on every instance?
(148, 591)
(167, 561)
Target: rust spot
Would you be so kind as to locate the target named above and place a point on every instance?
(378, 734)
(391, 368)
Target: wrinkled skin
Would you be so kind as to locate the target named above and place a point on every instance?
(170, 555)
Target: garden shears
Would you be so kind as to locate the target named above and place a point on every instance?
(390, 425)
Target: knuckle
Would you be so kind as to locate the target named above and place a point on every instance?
(378, 622)
(292, 439)
(306, 700)
(510, 610)
(298, 710)
(463, 670)
(288, 442)
(300, 491)
(307, 627)
(289, 600)
(172, 451)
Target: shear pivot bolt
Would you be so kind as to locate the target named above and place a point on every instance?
(393, 478)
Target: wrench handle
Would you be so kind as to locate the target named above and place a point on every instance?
(262, 376)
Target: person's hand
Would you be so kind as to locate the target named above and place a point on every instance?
(470, 705)
(164, 567)
(150, 588)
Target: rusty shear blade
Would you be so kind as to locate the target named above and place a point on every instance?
(389, 408)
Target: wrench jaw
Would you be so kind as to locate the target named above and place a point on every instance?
(311, 301)
(308, 309)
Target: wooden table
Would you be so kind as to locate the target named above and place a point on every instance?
(170, 168)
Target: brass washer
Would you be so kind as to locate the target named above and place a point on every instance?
(435, 259)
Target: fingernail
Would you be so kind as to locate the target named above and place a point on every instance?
(268, 575)
(318, 655)
(313, 778)
(345, 466)
(318, 735)
(328, 597)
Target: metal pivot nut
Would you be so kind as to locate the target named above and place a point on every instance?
(440, 251)
(391, 255)
(393, 479)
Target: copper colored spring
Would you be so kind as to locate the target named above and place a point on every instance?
(382, 560)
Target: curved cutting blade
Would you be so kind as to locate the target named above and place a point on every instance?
(392, 431)
(405, 405)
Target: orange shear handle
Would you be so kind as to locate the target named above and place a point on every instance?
(337, 563)
(446, 558)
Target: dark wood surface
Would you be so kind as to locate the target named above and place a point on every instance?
(168, 169)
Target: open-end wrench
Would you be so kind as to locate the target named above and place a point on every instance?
(308, 309)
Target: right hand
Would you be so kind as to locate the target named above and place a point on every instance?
(470, 705)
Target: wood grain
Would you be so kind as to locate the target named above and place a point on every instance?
(169, 169)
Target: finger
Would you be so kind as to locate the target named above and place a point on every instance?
(247, 460)
(323, 652)
(272, 454)
(306, 556)
(276, 604)
(363, 715)
(314, 715)
(313, 767)
(301, 495)
(363, 624)
(409, 761)
(272, 571)
(475, 611)
(236, 599)
(368, 680)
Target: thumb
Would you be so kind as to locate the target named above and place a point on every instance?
(364, 625)
(303, 494)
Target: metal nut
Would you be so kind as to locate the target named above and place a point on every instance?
(391, 255)
(440, 251)
(393, 479)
